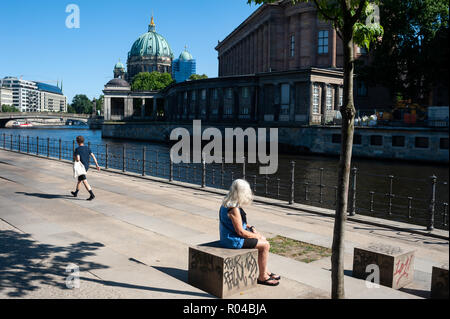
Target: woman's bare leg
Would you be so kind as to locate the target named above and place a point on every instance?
(263, 247)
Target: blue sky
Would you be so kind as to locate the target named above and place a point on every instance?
(37, 45)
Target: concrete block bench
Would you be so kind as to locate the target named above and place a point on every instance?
(222, 272)
(439, 282)
(396, 266)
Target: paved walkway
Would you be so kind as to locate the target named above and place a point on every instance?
(132, 240)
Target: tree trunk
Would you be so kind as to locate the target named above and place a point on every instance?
(348, 116)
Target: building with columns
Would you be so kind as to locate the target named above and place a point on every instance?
(303, 97)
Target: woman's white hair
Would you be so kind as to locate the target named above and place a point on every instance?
(240, 194)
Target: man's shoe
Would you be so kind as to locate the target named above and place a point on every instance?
(91, 198)
(75, 194)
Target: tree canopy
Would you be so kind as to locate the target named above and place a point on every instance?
(413, 55)
(153, 81)
(81, 104)
(194, 77)
(9, 109)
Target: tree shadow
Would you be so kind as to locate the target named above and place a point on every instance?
(48, 196)
(25, 264)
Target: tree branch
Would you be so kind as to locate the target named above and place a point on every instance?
(358, 12)
(335, 20)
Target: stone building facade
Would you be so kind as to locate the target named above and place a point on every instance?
(303, 97)
(284, 37)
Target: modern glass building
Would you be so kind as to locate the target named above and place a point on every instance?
(183, 67)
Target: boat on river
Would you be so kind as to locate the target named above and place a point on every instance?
(19, 124)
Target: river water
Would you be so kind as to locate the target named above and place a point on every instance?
(405, 196)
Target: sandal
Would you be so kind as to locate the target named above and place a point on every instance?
(274, 276)
(267, 283)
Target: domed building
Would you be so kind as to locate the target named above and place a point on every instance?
(151, 52)
(184, 67)
(119, 71)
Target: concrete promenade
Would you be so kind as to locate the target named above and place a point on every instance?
(132, 240)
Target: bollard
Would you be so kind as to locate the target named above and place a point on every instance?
(143, 161)
(203, 173)
(48, 147)
(59, 147)
(106, 156)
(432, 203)
(353, 192)
(292, 197)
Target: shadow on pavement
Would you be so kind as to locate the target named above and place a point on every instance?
(26, 264)
(48, 196)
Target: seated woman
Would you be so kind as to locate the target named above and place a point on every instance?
(235, 233)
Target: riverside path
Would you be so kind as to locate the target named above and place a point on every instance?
(132, 240)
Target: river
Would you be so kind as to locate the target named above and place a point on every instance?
(404, 197)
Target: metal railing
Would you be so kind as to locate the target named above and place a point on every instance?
(384, 198)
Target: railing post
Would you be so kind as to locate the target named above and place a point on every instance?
(73, 147)
(4, 141)
(432, 203)
(37, 145)
(203, 172)
(48, 146)
(409, 207)
(292, 195)
(170, 169)
(28, 144)
(243, 168)
(124, 151)
(143, 161)
(156, 163)
(11, 146)
(60, 149)
(391, 195)
(19, 144)
(321, 185)
(353, 198)
(106, 156)
(222, 173)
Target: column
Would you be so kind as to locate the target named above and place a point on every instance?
(323, 101)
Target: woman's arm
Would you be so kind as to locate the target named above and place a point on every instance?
(235, 216)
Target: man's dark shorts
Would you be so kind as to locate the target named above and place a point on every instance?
(82, 178)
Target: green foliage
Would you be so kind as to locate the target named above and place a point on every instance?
(9, 109)
(153, 81)
(81, 104)
(99, 103)
(194, 77)
(413, 54)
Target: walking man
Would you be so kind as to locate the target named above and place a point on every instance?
(82, 154)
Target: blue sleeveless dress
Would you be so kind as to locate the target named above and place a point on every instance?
(228, 236)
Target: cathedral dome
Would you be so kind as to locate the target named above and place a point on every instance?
(151, 44)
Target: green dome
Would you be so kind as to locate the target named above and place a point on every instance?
(186, 56)
(119, 65)
(151, 44)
